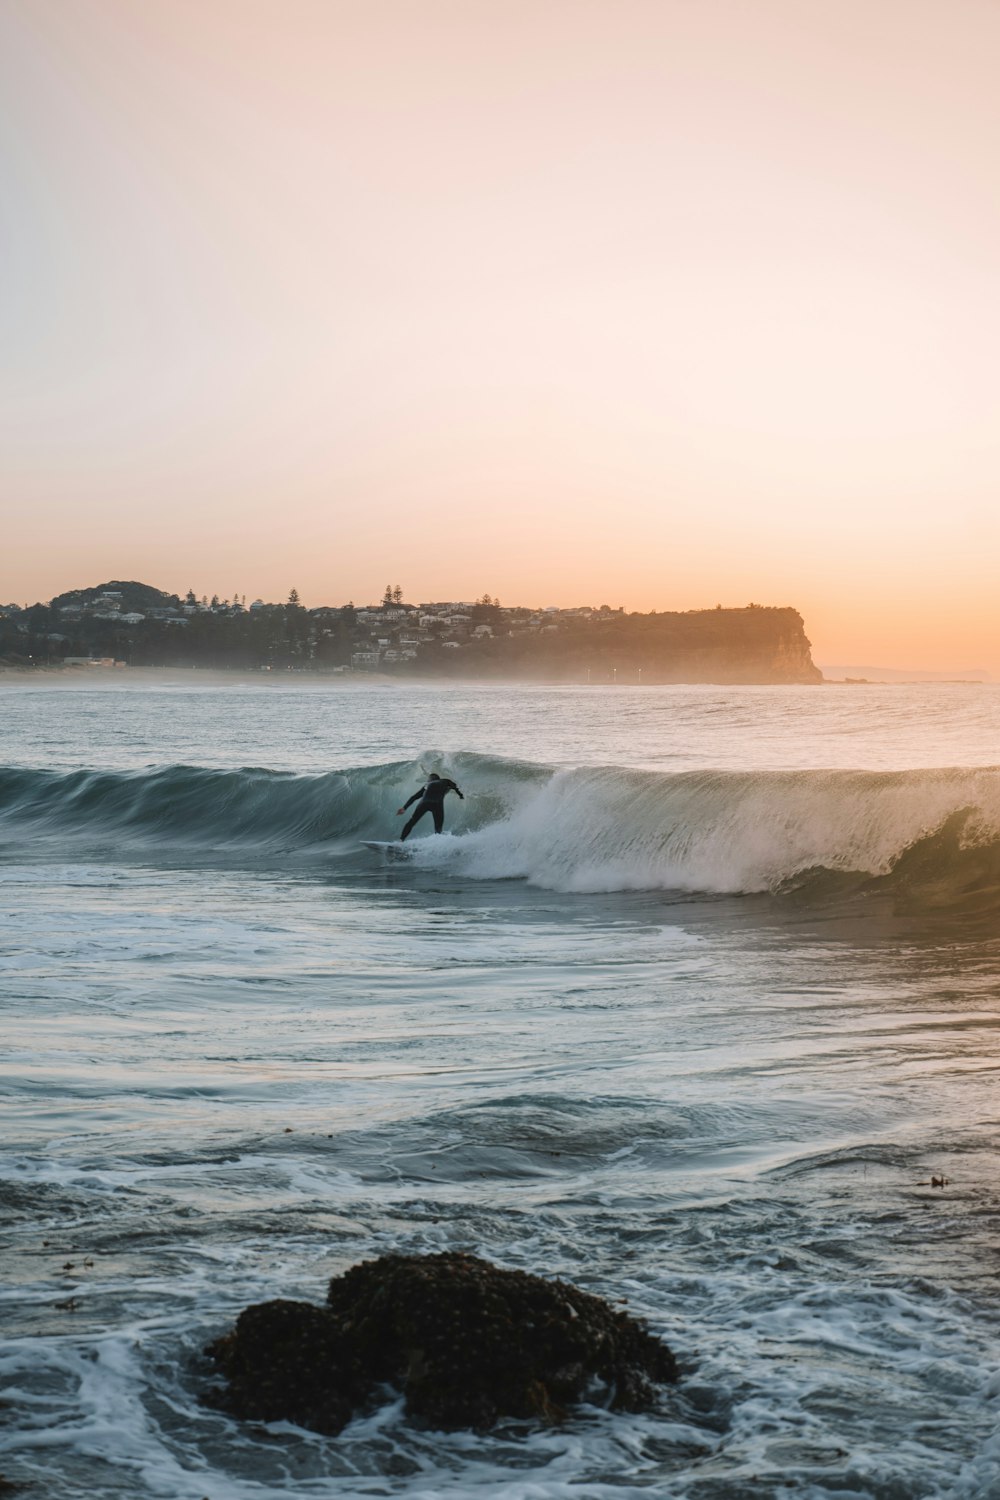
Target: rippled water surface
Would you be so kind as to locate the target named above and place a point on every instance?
(692, 1005)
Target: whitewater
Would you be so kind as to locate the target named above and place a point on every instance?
(694, 1004)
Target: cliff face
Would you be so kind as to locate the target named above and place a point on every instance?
(793, 656)
(753, 645)
(756, 645)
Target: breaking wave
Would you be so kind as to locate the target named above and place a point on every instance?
(932, 834)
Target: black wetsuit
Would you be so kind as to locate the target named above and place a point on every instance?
(430, 798)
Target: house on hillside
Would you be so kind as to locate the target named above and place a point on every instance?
(364, 661)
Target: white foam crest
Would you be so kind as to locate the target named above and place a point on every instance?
(609, 829)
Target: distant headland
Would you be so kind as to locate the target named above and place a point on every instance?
(135, 625)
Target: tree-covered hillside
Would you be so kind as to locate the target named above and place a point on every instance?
(141, 626)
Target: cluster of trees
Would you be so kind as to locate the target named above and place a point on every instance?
(172, 632)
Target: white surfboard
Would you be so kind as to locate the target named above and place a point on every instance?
(392, 849)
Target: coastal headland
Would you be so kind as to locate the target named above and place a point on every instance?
(139, 626)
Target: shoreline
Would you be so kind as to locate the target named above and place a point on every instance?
(126, 676)
(249, 676)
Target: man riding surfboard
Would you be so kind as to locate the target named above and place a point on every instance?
(429, 799)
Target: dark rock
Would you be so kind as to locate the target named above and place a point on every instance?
(464, 1341)
(281, 1361)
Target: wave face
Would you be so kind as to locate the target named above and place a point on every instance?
(187, 806)
(934, 834)
(193, 808)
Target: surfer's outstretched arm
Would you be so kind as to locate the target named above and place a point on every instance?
(416, 795)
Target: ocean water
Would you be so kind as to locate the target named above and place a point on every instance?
(691, 1004)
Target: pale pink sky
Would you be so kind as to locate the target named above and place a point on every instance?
(660, 303)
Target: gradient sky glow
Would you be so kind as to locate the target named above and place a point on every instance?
(660, 303)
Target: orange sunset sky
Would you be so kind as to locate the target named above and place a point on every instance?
(660, 303)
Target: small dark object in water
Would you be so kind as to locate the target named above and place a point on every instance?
(465, 1341)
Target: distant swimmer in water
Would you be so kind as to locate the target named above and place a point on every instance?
(430, 798)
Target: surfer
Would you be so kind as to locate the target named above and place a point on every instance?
(429, 799)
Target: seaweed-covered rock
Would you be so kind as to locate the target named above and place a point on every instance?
(281, 1361)
(464, 1341)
